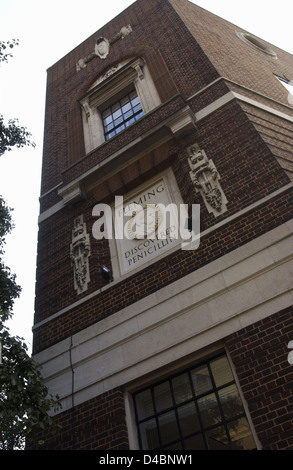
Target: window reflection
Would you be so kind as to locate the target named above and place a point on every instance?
(198, 409)
(121, 114)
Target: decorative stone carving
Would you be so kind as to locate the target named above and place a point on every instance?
(80, 252)
(110, 72)
(102, 47)
(205, 178)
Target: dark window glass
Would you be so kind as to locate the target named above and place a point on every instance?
(197, 409)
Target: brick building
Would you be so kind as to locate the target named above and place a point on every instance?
(155, 342)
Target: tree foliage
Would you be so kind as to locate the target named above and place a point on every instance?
(6, 48)
(11, 133)
(24, 399)
(9, 290)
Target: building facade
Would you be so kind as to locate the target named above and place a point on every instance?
(163, 312)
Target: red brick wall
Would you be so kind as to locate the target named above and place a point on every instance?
(260, 356)
(233, 58)
(154, 39)
(184, 53)
(248, 172)
(98, 424)
(56, 286)
(242, 144)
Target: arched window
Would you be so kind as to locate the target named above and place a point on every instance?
(117, 99)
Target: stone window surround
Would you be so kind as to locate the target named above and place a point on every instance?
(200, 358)
(130, 74)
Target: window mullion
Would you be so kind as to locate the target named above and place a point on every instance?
(197, 410)
(156, 416)
(205, 423)
(117, 108)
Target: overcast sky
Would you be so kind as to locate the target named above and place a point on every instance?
(47, 31)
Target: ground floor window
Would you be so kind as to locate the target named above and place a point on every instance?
(198, 409)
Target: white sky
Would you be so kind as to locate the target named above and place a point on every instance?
(47, 31)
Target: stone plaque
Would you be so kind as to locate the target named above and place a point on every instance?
(150, 225)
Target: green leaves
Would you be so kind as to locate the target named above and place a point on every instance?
(24, 399)
(12, 135)
(6, 224)
(5, 49)
(9, 290)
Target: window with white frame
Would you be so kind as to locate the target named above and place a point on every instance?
(117, 99)
(197, 409)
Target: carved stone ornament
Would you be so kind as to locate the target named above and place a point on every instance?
(205, 178)
(80, 251)
(102, 47)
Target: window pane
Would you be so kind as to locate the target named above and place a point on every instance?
(217, 439)
(108, 120)
(115, 107)
(118, 121)
(135, 102)
(117, 114)
(109, 126)
(130, 121)
(111, 134)
(128, 114)
(120, 128)
(181, 388)
(144, 404)
(201, 380)
(139, 115)
(188, 419)
(163, 398)
(168, 427)
(171, 417)
(175, 446)
(240, 434)
(126, 107)
(209, 410)
(121, 114)
(221, 371)
(124, 100)
(132, 95)
(136, 108)
(230, 401)
(107, 112)
(149, 435)
(195, 443)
